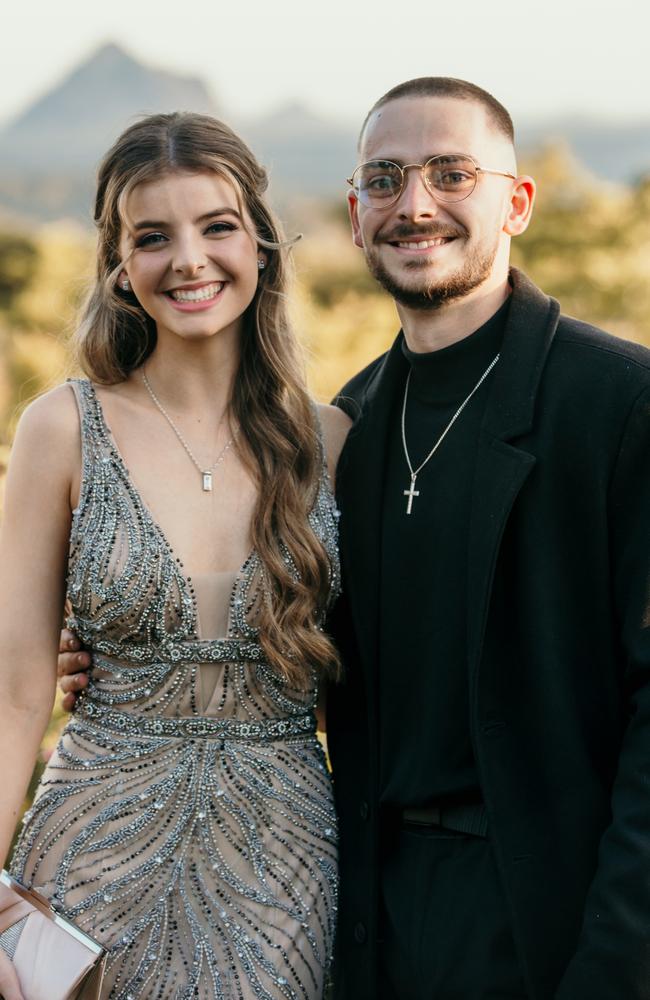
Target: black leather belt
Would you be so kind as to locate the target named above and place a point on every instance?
(461, 818)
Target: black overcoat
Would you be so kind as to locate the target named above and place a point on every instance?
(558, 638)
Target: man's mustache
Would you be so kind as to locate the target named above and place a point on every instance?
(431, 232)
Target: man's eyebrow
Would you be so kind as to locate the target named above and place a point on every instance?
(400, 161)
(160, 223)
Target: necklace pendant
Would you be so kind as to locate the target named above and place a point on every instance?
(207, 482)
(410, 493)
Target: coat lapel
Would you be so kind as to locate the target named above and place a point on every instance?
(501, 466)
(501, 469)
(360, 489)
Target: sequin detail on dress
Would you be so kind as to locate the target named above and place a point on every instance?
(187, 826)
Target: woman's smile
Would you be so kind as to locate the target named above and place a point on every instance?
(194, 298)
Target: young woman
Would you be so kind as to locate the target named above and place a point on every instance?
(178, 496)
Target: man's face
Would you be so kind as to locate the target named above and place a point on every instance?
(424, 251)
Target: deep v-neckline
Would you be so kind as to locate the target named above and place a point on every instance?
(179, 565)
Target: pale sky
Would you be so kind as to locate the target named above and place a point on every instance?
(555, 57)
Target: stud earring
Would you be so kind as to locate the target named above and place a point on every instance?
(125, 285)
(261, 264)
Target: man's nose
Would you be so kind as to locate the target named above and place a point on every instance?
(416, 201)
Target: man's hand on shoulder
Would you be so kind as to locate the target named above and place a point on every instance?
(72, 665)
(335, 424)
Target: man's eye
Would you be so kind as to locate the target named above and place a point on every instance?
(452, 178)
(382, 182)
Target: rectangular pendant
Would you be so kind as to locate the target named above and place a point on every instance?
(207, 482)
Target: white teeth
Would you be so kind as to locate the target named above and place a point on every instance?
(423, 244)
(197, 294)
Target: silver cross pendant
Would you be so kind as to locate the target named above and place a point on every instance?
(411, 493)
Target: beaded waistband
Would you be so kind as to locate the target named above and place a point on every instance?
(226, 650)
(261, 730)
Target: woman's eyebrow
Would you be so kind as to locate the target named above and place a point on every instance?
(161, 223)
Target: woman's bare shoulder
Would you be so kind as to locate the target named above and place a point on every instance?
(51, 421)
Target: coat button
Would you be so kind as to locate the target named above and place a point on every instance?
(360, 933)
(364, 810)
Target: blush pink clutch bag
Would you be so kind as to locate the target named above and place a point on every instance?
(53, 959)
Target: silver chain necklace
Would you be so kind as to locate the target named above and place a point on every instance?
(412, 492)
(206, 474)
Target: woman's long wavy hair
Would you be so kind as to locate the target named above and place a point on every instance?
(279, 439)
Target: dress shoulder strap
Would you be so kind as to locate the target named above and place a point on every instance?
(93, 431)
(82, 390)
(97, 453)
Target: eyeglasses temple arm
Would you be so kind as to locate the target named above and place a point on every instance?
(501, 173)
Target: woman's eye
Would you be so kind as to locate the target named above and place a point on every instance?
(221, 228)
(150, 240)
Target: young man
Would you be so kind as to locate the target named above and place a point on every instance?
(491, 742)
(491, 746)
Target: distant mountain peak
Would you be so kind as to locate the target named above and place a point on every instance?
(109, 53)
(76, 121)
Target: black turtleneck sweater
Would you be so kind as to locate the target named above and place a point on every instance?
(426, 752)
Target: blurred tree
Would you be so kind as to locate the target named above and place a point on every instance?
(18, 260)
(61, 271)
(588, 245)
(44, 278)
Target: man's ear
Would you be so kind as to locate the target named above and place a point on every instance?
(353, 212)
(521, 206)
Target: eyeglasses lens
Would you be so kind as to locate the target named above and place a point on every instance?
(379, 183)
(450, 178)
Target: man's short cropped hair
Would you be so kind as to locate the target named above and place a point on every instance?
(447, 86)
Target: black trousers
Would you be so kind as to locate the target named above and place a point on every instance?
(445, 930)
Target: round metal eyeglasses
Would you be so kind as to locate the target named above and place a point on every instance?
(447, 177)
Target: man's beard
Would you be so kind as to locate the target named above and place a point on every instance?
(433, 293)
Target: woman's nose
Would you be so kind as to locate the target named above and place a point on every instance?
(189, 258)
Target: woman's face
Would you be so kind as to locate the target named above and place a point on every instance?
(193, 264)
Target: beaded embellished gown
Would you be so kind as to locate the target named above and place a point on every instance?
(185, 819)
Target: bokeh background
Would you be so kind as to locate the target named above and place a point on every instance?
(295, 80)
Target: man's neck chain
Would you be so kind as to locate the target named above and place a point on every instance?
(411, 493)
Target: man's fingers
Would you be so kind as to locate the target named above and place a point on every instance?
(68, 641)
(71, 663)
(67, 703)
(73, 682)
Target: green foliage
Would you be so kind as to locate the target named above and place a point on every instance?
(327, 288)
(41, 281)
(588, 246)
(18, 260)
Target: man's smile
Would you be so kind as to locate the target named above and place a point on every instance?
(421, 240)
(422, 244)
